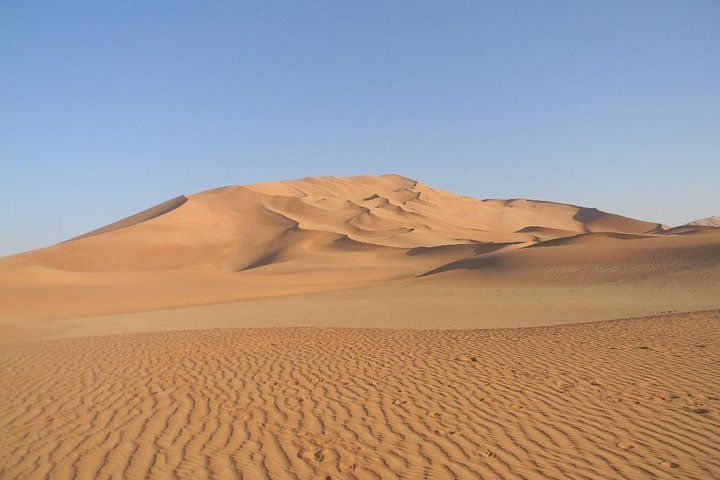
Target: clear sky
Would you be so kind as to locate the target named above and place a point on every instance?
(107, 108)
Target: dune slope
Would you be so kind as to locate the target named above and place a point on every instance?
(234, 228)
(282, 238)
(713, 221)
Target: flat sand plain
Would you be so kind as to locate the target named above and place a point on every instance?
(633, 398)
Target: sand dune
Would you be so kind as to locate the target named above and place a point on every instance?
(232, 228)
(602, 257)
(363, 327)
(282, 238)
(713, 221)
(625, 399)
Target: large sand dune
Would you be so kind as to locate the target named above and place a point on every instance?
(235, 229)
(319, 234)
(358, 328)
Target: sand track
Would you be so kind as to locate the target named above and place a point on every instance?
(623, 399)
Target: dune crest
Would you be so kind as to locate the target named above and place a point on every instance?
(713, 221)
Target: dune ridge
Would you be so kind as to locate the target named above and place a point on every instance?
(713, 221)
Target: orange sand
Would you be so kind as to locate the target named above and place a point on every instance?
(202, 339)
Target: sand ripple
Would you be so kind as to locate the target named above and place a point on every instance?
(624, 399)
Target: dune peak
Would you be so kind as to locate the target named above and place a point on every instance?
(233, 227)
(713, 221)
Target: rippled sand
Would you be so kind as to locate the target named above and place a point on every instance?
(622, 399)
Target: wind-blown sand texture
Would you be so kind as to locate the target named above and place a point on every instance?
(624, 399)
(358, 328)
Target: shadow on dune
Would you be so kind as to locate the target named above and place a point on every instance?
(473, 263)
(493, 247)
(440, 248)
(575, 239)
(593, 219)
(477, 248)
(144, 216)
(587, 215)
(476, 262)
(262, 262)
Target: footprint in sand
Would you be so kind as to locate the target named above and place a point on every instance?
(625, 445)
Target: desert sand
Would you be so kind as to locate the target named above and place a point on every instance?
(713, 221)
(363, 327)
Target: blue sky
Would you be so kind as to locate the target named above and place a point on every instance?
(107, 108)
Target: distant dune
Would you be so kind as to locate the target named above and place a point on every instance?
(713, 221)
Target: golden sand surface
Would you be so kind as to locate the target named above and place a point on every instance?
(240, 243)
(360, 328)
(635, 398)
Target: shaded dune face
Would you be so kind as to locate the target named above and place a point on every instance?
(144, 216)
